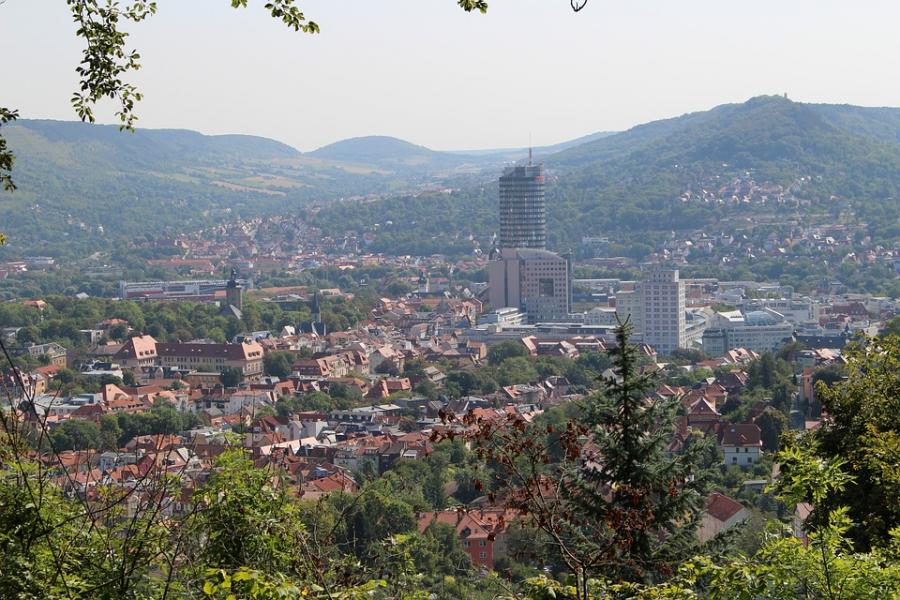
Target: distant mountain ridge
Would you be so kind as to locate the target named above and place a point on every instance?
(76, 179)
(518, 153)
(106, 144)
(82, 186)
(391, 152)
(738, 126)
(668, 174)
(386, 151)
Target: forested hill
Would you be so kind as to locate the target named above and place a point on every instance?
(389, 152)
(765, 154)
(82, 187)
(762, 130)
(106, 147)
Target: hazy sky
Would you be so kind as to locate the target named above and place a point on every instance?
(426, 71)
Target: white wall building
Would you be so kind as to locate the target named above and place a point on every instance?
(663, 299)
(601, 315)
(760, 331)
(629, 304)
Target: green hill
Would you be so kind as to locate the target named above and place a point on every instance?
(390, 153)
(83, 187)
(669, 174)
(107, 147)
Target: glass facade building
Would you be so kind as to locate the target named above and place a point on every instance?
(523, 219)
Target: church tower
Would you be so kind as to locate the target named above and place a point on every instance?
(234, 292)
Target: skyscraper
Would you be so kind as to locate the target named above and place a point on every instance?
(523, 274)
(523, 221)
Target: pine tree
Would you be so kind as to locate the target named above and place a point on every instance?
(639, 503)
(620, 504)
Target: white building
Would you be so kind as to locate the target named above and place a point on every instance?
(795, 310)
(629, 304)
(741, 444)
(760, 331)
(503, 318)
(601, 315)
(663, 299)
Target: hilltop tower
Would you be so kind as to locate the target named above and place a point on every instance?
(523, 274)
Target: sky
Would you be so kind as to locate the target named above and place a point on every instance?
(427, 72)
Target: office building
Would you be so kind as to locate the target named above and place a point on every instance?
(662, 297)
(760, 331)
(193, 291)
(536, 281)
(523, 220)
(523, 274)
(630, 306)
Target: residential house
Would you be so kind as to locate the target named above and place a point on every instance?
(482, 532)
(721, 513)
(741, 443)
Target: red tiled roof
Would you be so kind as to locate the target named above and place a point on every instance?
(740, 434)
(721, 507)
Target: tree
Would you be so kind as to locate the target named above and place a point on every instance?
(28, 335)
(516, 370)
(892, 327)
(863, 429)
(316, 401)
(109, 379)
(763, 372)
(119, 331)
(616, 504)
(687, 356)
(370, 518)
(76, 434)
(643, 506)
(427, 388)
(508, 349)
(248, 520)
(465, 382)
(829, 375)
(387, 367)
(772, 423)
(278, 364)
(344, 395)
(110, 432)
(398, 288)
(162, 418)
(230, 377)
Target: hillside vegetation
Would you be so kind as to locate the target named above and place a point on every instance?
(82, 187)
(677, 173)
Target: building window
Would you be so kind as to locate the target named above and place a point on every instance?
(482, 555)
(482, 543)
(546, 288)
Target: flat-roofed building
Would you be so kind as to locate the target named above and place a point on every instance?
(664, 322)
(536, 281)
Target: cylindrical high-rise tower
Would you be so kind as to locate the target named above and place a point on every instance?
(523, 220)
